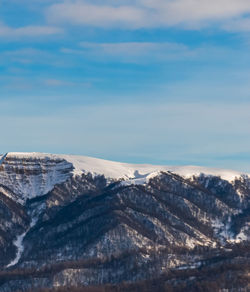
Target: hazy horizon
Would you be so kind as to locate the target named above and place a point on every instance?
(159, 82)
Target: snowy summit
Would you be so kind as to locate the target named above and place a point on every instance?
(118, 170)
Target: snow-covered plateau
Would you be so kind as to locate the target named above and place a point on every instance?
(47, 170)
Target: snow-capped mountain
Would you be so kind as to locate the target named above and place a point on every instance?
(76, 220)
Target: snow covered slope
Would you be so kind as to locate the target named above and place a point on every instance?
(118, 170)
(34, 174)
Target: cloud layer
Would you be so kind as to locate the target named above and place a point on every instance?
(58, 16)
(187, 14)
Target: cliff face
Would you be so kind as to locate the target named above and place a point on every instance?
(30, 177)
(70, 221)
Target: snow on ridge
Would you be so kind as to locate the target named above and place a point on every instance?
(32, 155)
(134, 172)
(126, 171)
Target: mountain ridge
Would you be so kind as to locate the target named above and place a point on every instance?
(83, 217)
(98, 165)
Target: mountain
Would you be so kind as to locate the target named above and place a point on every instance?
(75, 221)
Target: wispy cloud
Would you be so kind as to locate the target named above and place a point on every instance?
(8, 32)
(32, 56)
(97, 15)
(132, 48)
(148, 13)
(63, 83)
(132, 51)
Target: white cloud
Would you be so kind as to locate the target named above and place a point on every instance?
(148, 13)
(132, 51)
(8, 32)
(96, 15)
(132, 48)
(181, 11)
(237, 25)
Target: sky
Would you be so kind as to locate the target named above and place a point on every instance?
(142, 81)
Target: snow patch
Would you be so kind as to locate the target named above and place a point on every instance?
(19, 245)
(225, 234)
(19, 242)
(222, 230)
(242, 235)
(139, 179)
(192, 266)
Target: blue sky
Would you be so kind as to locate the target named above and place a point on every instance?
(144, 81)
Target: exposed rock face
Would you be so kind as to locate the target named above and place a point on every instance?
(66, 224)
(30, 177)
